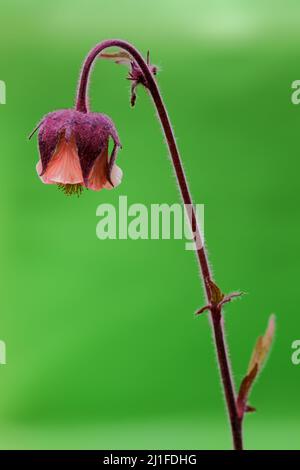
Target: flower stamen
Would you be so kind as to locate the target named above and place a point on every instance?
(71, 189)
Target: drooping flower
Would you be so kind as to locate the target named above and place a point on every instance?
(74, 151)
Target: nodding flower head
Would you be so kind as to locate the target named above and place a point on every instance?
(74, 154)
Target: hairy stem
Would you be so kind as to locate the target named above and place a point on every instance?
(215, 310)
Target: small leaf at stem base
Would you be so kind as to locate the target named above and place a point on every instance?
(250, 409)
(216, 295)
(225, 299)
(203, 309)
(230, 297)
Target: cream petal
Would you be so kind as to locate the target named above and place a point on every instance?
(116, 177)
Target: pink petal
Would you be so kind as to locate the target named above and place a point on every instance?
(64, 166)
(97, 176)
(97, 179)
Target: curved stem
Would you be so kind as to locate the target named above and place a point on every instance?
(216, 314)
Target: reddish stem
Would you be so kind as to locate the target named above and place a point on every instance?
(216, 314)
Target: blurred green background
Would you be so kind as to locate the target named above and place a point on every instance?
(103, 350)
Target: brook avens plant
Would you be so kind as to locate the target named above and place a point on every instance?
(73, 147)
